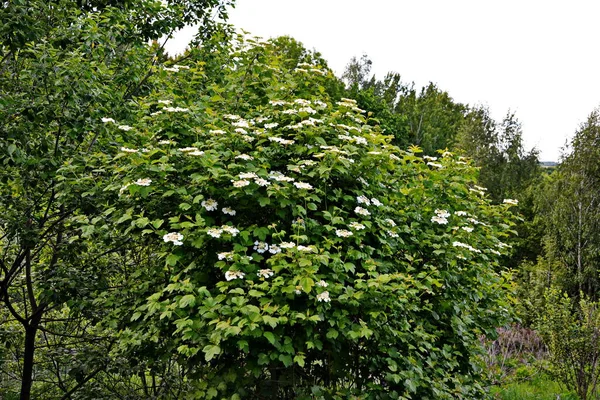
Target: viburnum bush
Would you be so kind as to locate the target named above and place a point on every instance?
(296, 252)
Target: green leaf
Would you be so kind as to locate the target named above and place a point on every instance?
(210, 351)
(264, 201)
(307, 284)
(286, 359)
(187, 300)
(270, 337)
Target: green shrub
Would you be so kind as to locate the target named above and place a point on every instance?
(303, 256)
(571, 330)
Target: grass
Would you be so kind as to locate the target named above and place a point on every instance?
(540, 387)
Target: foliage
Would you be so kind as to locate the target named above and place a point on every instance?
(569, 211)
(571, 331)
(301, 254)
(63, 65)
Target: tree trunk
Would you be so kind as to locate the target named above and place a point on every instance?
(27, 378)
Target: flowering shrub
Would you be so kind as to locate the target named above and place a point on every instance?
(306, 256)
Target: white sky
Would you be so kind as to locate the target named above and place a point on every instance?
(538, 58)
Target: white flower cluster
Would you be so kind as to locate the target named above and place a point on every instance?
(511, 202)
(231, 275)
(228, 211)
(244, 157)
(174, 237)
(307, 249)
(285, 142)
(440, 217)
(128, 150)
(216, 132)
(324, 297)
(241, 123)
(279, 177)
(167, 102)
(343, 233)
(287, 245)
(227, 255)
(166, 141)
(322, 283)
(361, 211)
(278, 102)
(107, 120)
(461, 213)
(265, 273)
(390, 222)
(261, 247)
(466, 246)
(210, 204)
(271, 125)
(176, 109)
(303, 185)
(176, 68)
(430, 158)
(125, 127)
(357, 226)
(432, 164)
(467, 228)
(232, 117)
(143, 182)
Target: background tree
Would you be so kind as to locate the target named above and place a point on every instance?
(62, 65)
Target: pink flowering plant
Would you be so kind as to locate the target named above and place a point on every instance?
(296, 252)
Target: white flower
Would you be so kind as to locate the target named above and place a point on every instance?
(303, 185)
(496, 252)
(280, 140)
(228, 255)
(480, 188)
(188, 149)
(164, 102)
(319, 104)
(446, 154)
(244, 157)
(271, 125)
(375, 153)
(242, 123)
(230, 229)
(511, 202)
(214, 232)
(442, 213)
(248, 138)
(241, 131)
(461, 213)
(360, 140)
(174, 237)
(363, 200)
(357, 226)
(128, 150)
(106, 120)
(308, 110)
(297, 291)
(376, 202)
(216, 132)
(390, 222)
(262, 182)
(155, 113)
(435, 165)
(290, 111)
(439, 220)
(248, 175)
(392, 234)
(322, 283)
(362, 211)
(195, 153)
(143, 182)
(277, 102)
(429, 158)
(231, 275)
(125, 127)
(343, 233)
(278, 176)
(240, 183)
(176, 109)
(274, 249)
(466, 246)
(228, 211)
(302, 102)
(467, 228)
(232, 117)
(166, 142)
(307, 249)
(473, 221)
(210, 204)
(265, 273)
(261, 247)
(181, 66)
(394, 157)
(171, 69)
(324, 297)
(461, 162)
(287, 245)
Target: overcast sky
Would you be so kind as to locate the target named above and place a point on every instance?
(537, 58)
